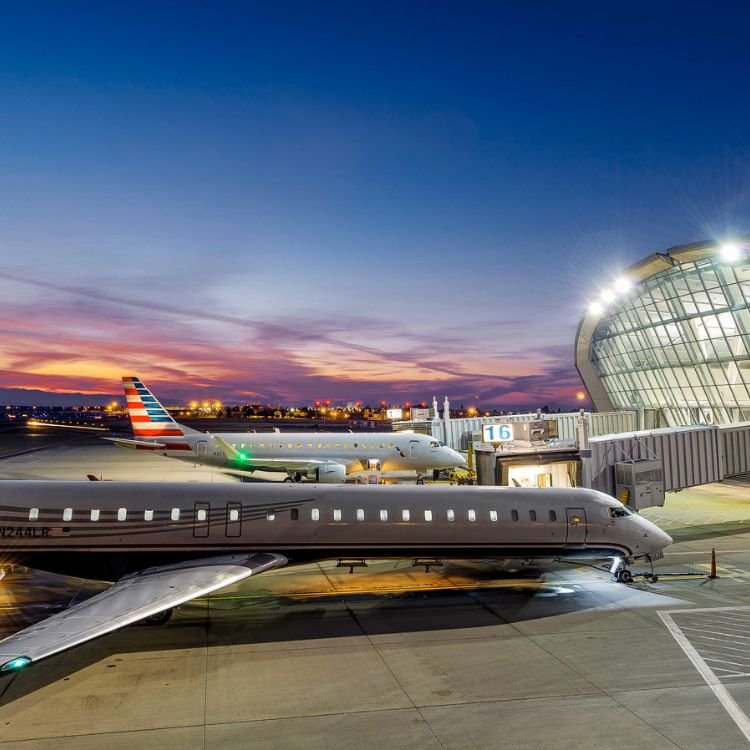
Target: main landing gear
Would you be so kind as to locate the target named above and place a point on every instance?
(160, 618)
(295, 477)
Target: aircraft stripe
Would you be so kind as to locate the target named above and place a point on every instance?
(131, 392)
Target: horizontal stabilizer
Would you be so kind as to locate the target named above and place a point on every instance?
(133, 598)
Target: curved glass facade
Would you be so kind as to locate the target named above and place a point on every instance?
(679, 342)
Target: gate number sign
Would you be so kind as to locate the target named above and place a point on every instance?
(496, 433)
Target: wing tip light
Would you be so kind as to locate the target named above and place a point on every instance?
(15, 665)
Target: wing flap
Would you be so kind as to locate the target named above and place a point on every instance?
(131, 599)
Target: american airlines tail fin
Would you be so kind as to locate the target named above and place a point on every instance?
(148, 417)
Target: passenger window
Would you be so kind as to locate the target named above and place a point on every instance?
(337, 514)
(148, 515)
(262, 445)
(299, 445)
(405, 515)
(337, 445)
(383, 514)
(33, 514)
(122, 514)
(270, 516)
(514, 515)
(451, 514)
(67, 514)
(532, 515)
(472, 515)
(234, 514)
(289, 445)
(201, 514)
(382, 445)
(95, 514)
(428, 515)
(320, 445)
(346, 445)
(552, 516)
(315, 514)
(493, 515)
(175, 514)
(391, 445)
(309, 445)
(360, 514)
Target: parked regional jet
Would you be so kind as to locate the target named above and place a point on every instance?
(325, 457)
(198, 538)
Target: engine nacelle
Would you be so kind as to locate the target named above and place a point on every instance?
(329, 474)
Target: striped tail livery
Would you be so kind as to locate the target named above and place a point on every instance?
(150, 420)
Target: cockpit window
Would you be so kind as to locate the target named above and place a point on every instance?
(434, 444)
(619, 512)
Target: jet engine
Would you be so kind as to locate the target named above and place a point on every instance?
(329, 474)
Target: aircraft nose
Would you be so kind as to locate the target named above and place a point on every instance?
(458, 458)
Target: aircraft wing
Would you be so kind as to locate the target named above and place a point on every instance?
(132, 598)
(130, 443)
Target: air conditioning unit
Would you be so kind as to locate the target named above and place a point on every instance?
(640, 484)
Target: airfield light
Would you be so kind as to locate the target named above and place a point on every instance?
(730, 252)
(581, 396)
(596, 308)
(193, 404)
(607, 295)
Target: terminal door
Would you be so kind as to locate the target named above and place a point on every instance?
(414, 449)
(576, 525)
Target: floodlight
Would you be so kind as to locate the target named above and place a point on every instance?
(623, 284)
(607, 295)
(730, 252)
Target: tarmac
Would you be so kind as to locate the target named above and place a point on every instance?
(469, 655)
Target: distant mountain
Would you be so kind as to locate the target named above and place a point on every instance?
(43, 398)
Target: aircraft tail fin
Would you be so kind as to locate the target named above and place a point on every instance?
(147, 416)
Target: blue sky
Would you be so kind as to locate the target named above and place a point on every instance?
(293, 201)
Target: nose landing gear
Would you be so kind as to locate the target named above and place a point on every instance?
(622, 573)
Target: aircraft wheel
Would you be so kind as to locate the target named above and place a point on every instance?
(287, 479)
(654, 578)
(162, 618)
(625, 576)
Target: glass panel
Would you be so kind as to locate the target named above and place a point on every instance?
(337, 514)
(148, 515)
(122, 514)
(95, 514)
(493, 515)
(33, 514)
(404, 515)
(383, 514)
(67, 514)
(472, 515)
(428, 515)
(451, 515)
(175, 514)
(360, 514)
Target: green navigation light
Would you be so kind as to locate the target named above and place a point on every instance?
(15, 664)
(243, 456)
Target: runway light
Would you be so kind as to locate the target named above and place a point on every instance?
(608, 295)
(15, 664)
(730, 252)
(623, 284)
(596, 308)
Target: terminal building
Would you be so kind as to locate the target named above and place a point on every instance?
(664, 353)
(671, 338)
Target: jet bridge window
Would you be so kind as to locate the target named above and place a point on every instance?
(234, 514)
(451, 515)
(428, 515)
(122, 514)
(148, 515)
(175, 514)
(95, 514)
(514, 515)
(67, 514)
(315, 514)
(552, 516)
(33, 514)
(493, 515)
(472, 515)
(383, 514)
(337, 514)
(201, 514)
(360, 514)
(405, 515)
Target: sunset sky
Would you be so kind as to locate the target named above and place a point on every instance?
(290, 201)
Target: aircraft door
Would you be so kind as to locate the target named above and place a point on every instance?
(201, 519)
(576, 525)
(234, 519)
(202, 448)
(414, 449)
